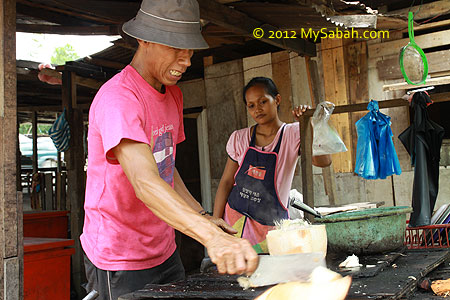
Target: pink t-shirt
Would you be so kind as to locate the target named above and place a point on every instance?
(120, 232)
(239, 142)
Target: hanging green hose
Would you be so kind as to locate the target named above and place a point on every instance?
(413, 44)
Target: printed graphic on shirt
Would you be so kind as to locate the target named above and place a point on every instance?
(163, 153)
(162, 129)
(256, 172)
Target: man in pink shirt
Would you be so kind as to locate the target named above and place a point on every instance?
(134, 194)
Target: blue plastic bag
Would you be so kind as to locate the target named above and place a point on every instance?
(376, 157)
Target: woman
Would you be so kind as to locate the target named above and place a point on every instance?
(255, 184)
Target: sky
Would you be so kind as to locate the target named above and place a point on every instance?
(40, 47)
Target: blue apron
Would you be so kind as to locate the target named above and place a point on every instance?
(254, 196)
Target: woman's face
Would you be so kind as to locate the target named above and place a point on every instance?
(260, 105)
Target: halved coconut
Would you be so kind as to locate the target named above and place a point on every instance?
(324, 284)
(292, 237)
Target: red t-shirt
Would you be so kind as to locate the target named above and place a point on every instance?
(120, 232)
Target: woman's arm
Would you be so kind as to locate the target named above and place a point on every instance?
(225, 186)
(182, 190)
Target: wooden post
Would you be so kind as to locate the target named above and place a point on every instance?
(74, 158)
(317, 93)
(281, 75)
(358, 70)
(41, 201)
(34, 137)
(306, 163)
(64, 205)
(58, 190)
(11, 277)
(20, 241)
(329, 182)
(205, 166)
(207, 61)
(48, 191)
(58, 183)
(18, 163)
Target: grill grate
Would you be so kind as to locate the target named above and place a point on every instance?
(198, 286)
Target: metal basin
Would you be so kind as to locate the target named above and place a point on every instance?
(368, 231)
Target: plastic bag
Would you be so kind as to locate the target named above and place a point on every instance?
(326, 140)
(375, 153)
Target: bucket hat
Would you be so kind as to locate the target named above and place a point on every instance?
(174, 23)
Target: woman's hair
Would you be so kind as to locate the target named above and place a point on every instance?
(267, 83)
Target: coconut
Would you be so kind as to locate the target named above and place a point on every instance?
(296, 236)
(324, 284)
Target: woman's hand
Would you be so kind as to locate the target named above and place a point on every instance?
(221, 224)
(299, 110)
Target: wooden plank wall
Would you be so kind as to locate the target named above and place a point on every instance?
(193, 93)
(11, 231)
(281, 75)
(358, 87)
(301, 94)
(225, 112)
(256, 66)
(335, 74)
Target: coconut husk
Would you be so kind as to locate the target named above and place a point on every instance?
(441, 287)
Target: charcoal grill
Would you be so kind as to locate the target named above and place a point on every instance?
(198, 286)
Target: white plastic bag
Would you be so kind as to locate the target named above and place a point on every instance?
(325, 138)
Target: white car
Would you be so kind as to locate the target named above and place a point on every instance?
(47, 153)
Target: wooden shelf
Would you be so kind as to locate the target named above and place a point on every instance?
(405, 85)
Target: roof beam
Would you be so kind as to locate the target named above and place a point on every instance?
(104, 63)
(48, 108)
(71, 30)
(428, 10)
(47, 15)
(86, 82)
(239, 22)
(65, 12)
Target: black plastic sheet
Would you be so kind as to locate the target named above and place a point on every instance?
(423, 140)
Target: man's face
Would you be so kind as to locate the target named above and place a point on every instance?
(165, 65)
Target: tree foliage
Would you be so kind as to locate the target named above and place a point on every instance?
(63, 54)
(25, 128)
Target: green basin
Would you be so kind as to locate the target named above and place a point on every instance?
(367, 231)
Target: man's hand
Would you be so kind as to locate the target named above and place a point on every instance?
(222, 224)
(232, 255)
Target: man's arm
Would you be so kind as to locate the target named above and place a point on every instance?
(182, 190)
(231, 255)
